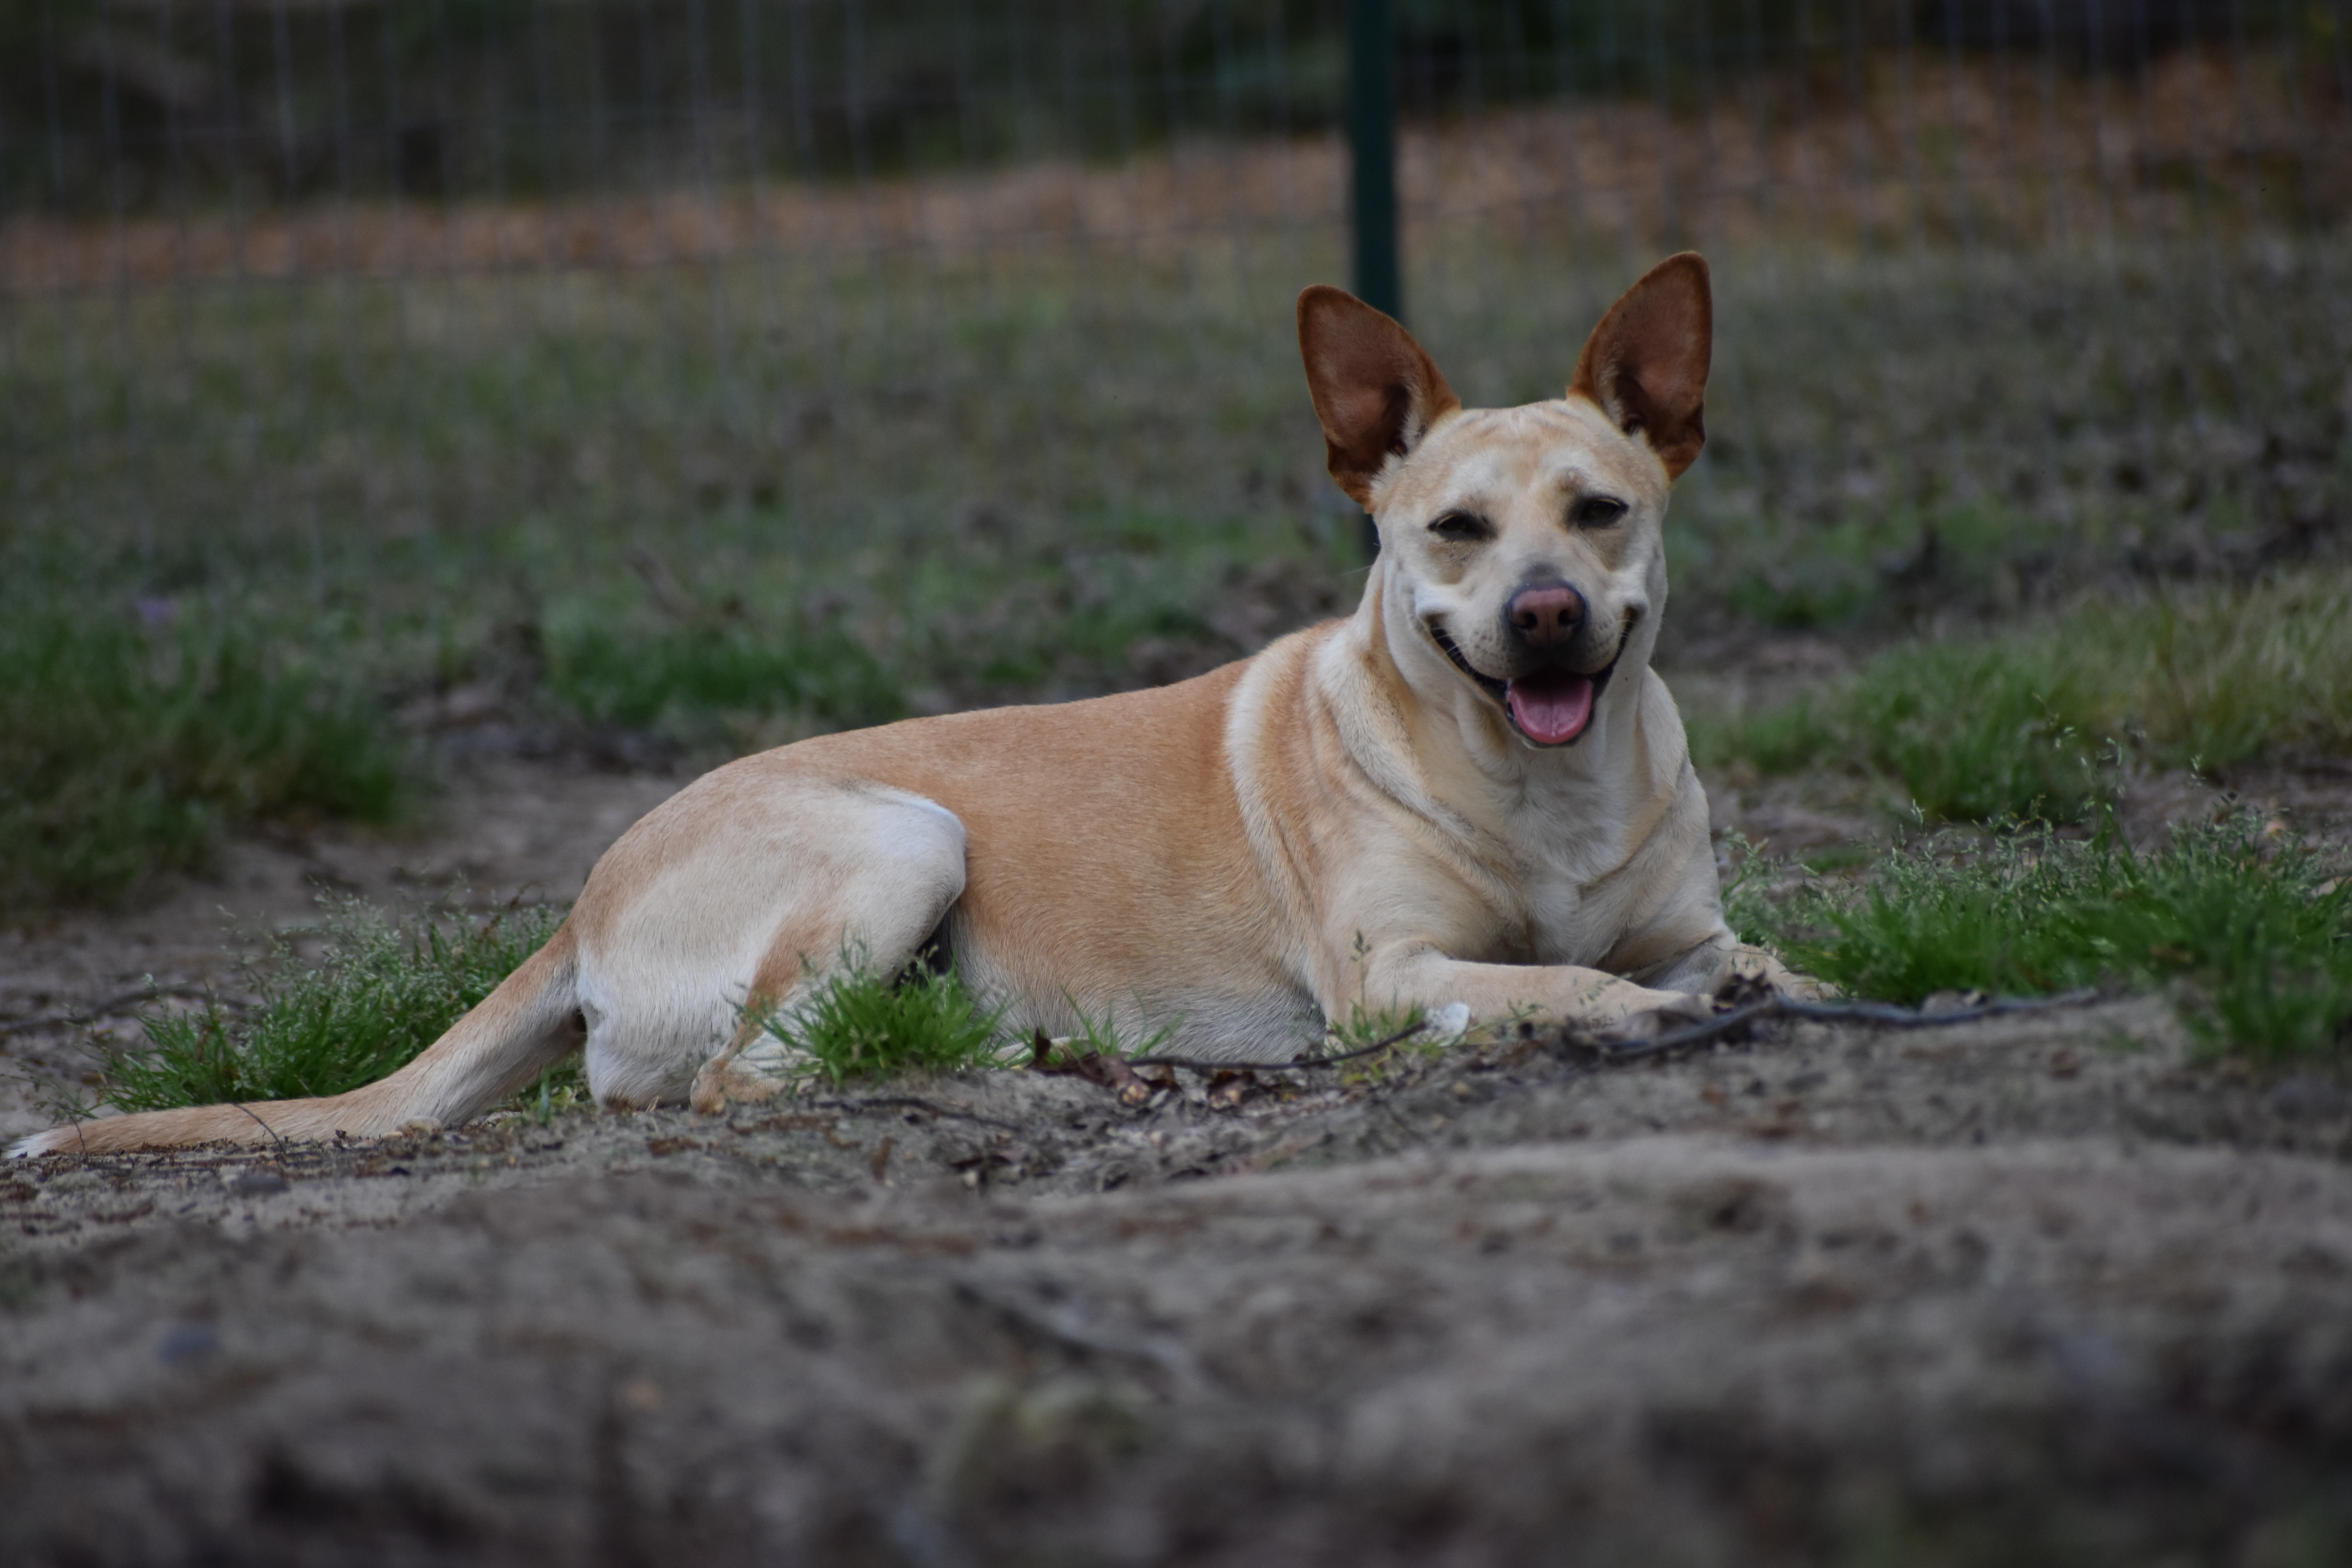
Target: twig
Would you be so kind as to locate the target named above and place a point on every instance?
(1884, 1015)
(1198, 1066)
(1694, 1034)
(265, 1126)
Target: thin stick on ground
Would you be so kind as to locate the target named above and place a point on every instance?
(264, 1125)
(1198, 1066)
(1884, 1014)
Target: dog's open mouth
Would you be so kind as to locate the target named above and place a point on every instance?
(1549, 707)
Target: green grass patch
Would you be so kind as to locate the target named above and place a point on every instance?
(128, 745)
(2251, 929)
(1367, 1026)
(716, 682)
(2030, 724)
(1747, 876)
(1102, 1035)
(864, 1023)
(381, 991)
(1368, 1022)
(138, 729)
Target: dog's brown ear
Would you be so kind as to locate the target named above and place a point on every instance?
(1645, 363)
(1376, 391)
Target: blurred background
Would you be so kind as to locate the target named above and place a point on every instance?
(651, 380)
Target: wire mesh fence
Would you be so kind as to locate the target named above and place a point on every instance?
(393, 299)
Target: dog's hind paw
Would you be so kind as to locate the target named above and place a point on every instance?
(741, 1078)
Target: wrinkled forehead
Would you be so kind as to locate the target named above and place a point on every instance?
(1492, 455)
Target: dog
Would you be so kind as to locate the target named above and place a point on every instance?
(1475, 791)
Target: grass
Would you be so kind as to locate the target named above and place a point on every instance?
(1102, 1035)
(137, 730)
(383, 989)
(1892, 430)
(717, 684)
(1367, 1026)
(2030, 723)
(132, 734)
(2249, 928)
(1370, 1023)
(864, 1023)
(380, 992)
(1747, 876)
(973, 476)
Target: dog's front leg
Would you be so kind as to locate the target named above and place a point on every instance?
(1417, 975)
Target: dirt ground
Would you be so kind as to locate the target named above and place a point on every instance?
(2038, 1287)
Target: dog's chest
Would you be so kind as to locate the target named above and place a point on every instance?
(1572, 880)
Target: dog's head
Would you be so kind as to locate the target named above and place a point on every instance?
(1522, 556)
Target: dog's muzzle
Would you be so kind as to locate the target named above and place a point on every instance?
(1550, 707)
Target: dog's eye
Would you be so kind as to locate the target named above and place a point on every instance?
(1462, 525)
(1598, 511)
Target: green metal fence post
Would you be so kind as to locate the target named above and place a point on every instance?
(1372, 145)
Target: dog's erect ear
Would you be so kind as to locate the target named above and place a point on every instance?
(1376, 391)
(1645, 363)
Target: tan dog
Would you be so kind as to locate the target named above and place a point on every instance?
(1473, 791)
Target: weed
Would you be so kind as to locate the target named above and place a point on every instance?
(1966, 731)
(128, 745)
(382, 991)
(1367, 1026)
(1102, 1035)
(1370, 1021)
(558, 1091)
(707, 681)
(1747, 875)
(1976, 731)
(2246, 922)
(862, 1022)
(2030, 724)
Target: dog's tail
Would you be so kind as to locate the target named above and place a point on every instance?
(521, 1029)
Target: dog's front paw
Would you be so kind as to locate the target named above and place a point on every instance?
(1674, 1010)
(1753, 966)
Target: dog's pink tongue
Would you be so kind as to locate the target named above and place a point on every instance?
(1552, 707)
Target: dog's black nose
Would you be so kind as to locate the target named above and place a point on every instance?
(1546, 615)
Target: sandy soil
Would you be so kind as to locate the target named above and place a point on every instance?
(2041, 1288)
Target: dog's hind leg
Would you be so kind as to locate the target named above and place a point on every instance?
(738, 910)
(528, 1024)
